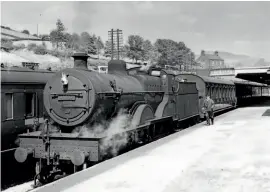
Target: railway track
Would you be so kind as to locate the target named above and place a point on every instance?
(14, 173)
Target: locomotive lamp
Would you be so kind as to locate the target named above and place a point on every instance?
(64, 79)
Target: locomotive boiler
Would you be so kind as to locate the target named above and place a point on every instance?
(73, 96)
(154, 103)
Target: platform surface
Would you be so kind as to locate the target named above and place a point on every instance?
(232, 155)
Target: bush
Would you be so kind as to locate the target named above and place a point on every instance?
(68, 53)
(40, 50)
(31, 46)
(60, 54)
(7, 43)
(56, 53)
(19, 46)
(44, 44)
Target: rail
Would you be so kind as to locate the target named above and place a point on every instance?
(4, 151)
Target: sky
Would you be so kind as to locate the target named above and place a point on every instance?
(237, 27)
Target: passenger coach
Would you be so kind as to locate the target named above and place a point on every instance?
(22, 102)
(221, 91)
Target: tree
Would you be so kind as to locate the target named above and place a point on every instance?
(147, 50)
(6, 43)
(173, 53)
(72, 41)
(108, 48)
(57, 35)
(68, 39)
(166, 48)
(45, 37)
(99, 44)
(88, 43)
(135, 47)
(60, 26)
(35, 35)
(4, 27)
(26, 31)
(75, 41)
(53, 38)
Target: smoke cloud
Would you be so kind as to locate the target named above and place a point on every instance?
(113, 133)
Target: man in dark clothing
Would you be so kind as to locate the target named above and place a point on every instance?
(208, 106)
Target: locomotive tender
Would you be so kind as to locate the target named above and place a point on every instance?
(155, 103)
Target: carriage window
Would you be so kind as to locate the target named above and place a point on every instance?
(30, 101)
(9, 102)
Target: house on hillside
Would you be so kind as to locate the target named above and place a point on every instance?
(210, 61)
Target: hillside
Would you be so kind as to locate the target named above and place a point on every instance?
(16, 57)
(12, 34)
(238, 60)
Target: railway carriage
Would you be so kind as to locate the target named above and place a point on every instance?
(21, 102)
(248, 91)
(221, 91)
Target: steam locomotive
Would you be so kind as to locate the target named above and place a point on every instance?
(87, 110)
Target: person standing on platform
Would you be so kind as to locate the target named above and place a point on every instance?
(208, 106)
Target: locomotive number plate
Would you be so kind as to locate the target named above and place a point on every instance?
(66, 98)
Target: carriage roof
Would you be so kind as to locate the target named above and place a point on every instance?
(24, 75)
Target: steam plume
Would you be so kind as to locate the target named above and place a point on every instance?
(113, 134)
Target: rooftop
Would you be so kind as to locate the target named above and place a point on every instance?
(210, 56)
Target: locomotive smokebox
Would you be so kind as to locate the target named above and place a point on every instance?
(80, 60)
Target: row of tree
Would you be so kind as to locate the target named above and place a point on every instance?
(162, 52)
(83, 42)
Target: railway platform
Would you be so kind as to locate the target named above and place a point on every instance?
(231, 155)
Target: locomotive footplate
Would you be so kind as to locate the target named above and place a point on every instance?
(67, 146)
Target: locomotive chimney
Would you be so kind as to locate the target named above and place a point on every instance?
(80, 60)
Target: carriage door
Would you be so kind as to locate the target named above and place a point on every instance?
(31, 109)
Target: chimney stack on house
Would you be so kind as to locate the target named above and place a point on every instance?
(216, 53)
(202, 52)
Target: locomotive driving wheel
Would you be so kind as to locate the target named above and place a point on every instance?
(140, 116)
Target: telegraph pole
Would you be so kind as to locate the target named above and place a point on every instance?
(191, 67)
(115, 39)
(37, 25)
(117, 32)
